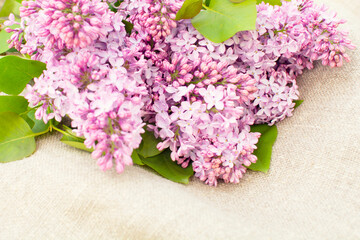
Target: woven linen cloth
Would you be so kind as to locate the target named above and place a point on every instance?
(312, 190)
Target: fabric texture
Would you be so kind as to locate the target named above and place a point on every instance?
(311, 191)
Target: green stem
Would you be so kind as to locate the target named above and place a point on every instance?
(206, 6)
(40, 133)
(58, 129)
(66, 133)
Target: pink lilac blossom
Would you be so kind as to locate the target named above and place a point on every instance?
(288, 39)
(58, 24)
(101, 88)
(198, 97)
(273, 56)
(199, 114)
(155, 17)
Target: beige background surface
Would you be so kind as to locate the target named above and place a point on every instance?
(311, 192)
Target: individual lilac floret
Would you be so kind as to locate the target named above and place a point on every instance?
(60, 23)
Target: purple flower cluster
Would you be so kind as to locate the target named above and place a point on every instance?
(95, 77)
(198, 97)
(154, 17)
(199, 113)
(287, 39)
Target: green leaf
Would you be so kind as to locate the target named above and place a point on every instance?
(16, 104)
(75, 142)
(4, 36)
(167, 168)
(264, 146)
(298, 103)
(39, 125)
(70, 138)
(147, 147)
(189, 9)
(114, 6)
(28, 120)
(16, 138)
(16, 72)
(136, 159)
(237, 1)
(12, 50)
(222, 19)
(69, 130)
(10, 6)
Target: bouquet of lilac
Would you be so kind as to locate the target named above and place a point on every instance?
(142, 83)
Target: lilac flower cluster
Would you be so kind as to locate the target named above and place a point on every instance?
(155, 17)
(287, 39)
(199, 113)
(198, 97)
(95, 74)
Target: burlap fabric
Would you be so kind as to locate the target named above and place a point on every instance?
(311, 192)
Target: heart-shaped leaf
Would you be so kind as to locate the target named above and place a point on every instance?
(222, 19)
(189, 9)
(16, 104)
(16, 72)
(167, 168)
(16, 138)
(148, 145)
(264, 146)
